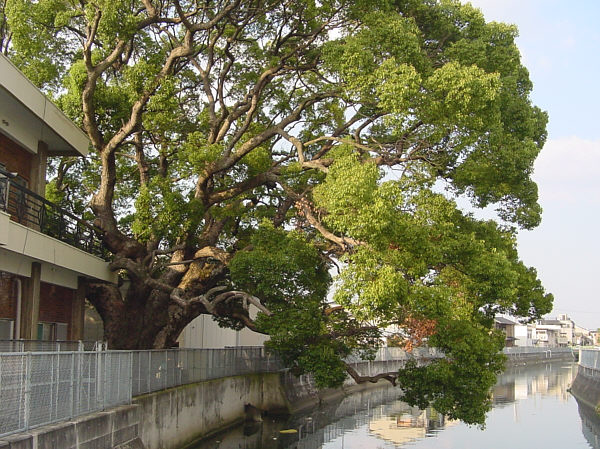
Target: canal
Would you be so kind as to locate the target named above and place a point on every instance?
(532, 409)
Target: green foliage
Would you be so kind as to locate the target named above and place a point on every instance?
(458, 385)
(300, 275)
(348, 189)
(38, 48)
(295, 293)
(157, 206)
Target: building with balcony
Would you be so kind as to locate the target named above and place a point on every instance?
(549, 334)
(45, 252)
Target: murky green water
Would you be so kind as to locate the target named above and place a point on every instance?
(532, 409)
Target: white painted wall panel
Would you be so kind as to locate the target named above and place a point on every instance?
(204, 332)
(35, 245)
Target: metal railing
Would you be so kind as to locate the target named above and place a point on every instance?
(589, 358)
(49, 346)
(589, 363)
(38, 388)
(395, 354)
(36, 212)
(525, 350)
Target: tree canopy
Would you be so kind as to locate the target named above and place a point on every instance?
(267, 152)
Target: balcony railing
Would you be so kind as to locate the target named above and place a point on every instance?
(32, 210)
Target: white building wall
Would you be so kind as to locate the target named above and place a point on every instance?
(204, 332)
(61, 263)
(27, 116)
(521, 335)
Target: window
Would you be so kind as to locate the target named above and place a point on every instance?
(61, 331)
(45, 331)
(52, 331)
(6, 329)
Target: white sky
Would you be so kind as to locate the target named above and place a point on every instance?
(559, 43)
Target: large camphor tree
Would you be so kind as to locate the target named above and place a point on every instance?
(266, 153)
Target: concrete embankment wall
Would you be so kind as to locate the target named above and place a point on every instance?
(172, 418)
(117, 428)
(526, 356)
(586, 386)
(175, 417)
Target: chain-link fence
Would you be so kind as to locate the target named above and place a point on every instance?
(51, 346)
(157, 370)
(390, 359)
(38, 388)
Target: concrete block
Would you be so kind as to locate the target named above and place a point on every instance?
(133, 444)
(125, 434)
(127, 415)
(93, 426)
(126, 421)
(19, 441)
(62, 435)
(102, 442)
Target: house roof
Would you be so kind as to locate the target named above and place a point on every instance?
(502, 320)
(557, 322)
(27, 116)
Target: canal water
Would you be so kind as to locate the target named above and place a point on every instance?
(532, 409)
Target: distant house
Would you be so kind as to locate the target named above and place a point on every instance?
(517, 334)
(582, 336)
(45, 251)
(595, 337)
(548, 334)
(508, 327)
(566, 329)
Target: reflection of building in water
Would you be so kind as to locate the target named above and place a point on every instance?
(546, 380)
(409, 426)
(504, 394)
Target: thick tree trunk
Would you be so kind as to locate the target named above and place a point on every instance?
(144, 319)
(147, 318)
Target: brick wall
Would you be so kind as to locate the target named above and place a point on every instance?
(8, 304)
(15, 158)
(55, 303)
